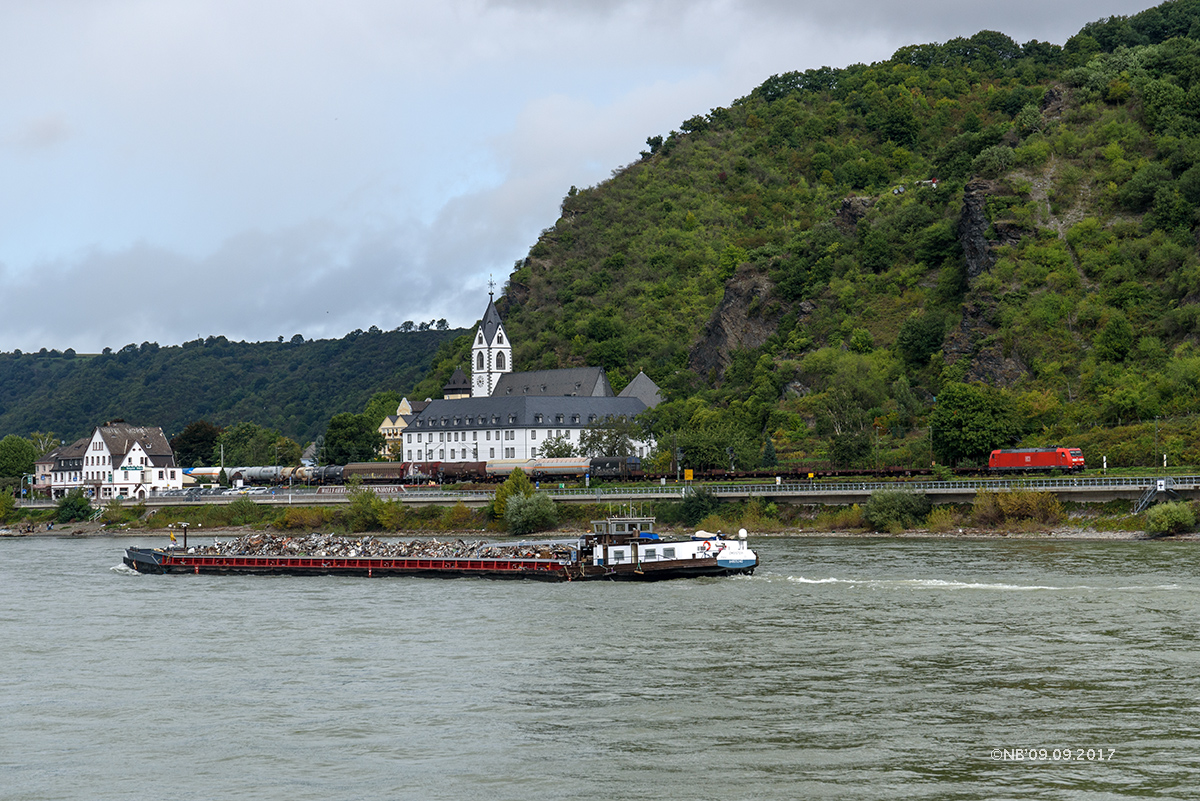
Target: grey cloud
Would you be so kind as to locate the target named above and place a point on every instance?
(39, 134)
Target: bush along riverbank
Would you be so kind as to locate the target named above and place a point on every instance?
(1028, 514)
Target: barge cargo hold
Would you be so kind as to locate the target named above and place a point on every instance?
(623, 549)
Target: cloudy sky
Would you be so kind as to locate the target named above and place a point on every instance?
(254, 168)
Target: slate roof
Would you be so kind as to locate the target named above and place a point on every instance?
(490, 322)
(67, 457)
(577, 381)
(521, 412)
(642, 388)
(458, 383)
(119, 438)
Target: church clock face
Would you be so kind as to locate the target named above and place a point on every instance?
(479, 381)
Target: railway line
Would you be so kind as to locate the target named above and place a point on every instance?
(1142, 489)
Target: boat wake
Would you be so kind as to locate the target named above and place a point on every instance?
(124, 570)
(942, 584)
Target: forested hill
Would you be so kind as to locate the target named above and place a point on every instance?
(293, 387)
(1008, 228)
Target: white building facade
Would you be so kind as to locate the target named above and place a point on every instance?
(117, 461)
(482, 429)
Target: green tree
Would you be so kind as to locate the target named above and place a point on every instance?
(516, 485)
(17, 455)
(1115, 339)
(351, 438)
(889, 511)
(251, 444)
(769, 459)
(920, 337)
(612, 437)
(44, 443)
(970, 420)
(194, 445)
(557, 448)
(363, 511)
(7, 504)
(382, 405)
(1175, 517)
(525, 514)
(74, 506)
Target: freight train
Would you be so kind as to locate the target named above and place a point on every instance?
(613, 468)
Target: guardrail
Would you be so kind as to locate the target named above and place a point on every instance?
(816, 490)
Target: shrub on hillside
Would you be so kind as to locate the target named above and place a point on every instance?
(841, 518)
(1170, 518)
(304, 517)
(998, 508)
(941, 519)
(890, 510)
(525, 514)
(698, 505)
(515, 485)
(74, 507)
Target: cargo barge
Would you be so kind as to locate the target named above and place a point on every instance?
(618, 549)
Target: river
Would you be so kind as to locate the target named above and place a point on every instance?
(843, 669)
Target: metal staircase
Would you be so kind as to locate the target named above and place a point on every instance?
(1161, 485)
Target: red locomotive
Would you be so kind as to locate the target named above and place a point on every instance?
(1021, 460)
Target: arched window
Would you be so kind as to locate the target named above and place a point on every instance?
(499, 361)
(479, 362)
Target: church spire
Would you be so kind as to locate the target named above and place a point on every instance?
(491, 353)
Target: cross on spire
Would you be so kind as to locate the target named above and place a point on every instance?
(491, 287)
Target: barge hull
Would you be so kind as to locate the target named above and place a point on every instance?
(152, 560)
(146, 560)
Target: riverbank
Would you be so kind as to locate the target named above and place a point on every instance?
(1064, 533)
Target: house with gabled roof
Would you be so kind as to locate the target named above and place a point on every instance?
(118, 460)
(392, 427)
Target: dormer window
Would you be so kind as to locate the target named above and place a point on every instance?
(574, 418)
(512, 418)
(537, 418)
(558, 418)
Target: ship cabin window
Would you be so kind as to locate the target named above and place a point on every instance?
(668, 553)
(650, 553)
(618, 554)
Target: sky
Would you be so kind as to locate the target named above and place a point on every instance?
(174, 169)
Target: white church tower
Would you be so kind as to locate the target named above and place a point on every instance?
(491, 355)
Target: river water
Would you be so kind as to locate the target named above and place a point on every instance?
(844, 668)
